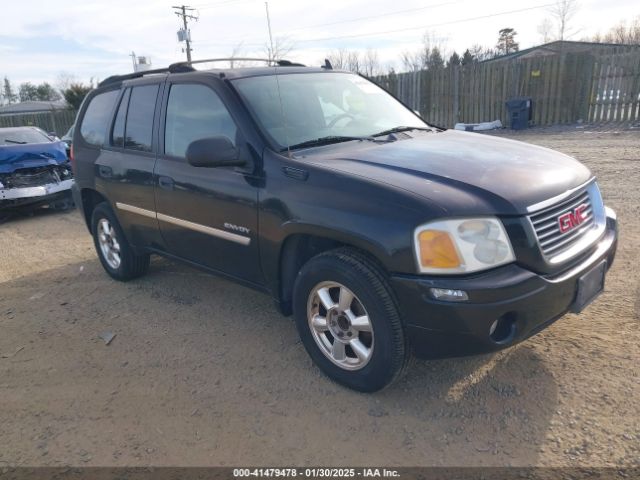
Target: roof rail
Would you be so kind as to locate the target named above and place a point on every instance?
(181, 67)
(280, 63)
(128, 76)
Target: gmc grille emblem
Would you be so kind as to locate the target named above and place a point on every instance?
(570, 220)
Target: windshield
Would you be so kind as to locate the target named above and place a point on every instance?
(20, 136)
(320, 105)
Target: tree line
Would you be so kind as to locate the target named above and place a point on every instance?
(559, 24)
(68, 89)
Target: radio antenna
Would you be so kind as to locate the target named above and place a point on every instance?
(272, 53)
(272, 56)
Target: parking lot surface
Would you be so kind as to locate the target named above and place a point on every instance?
(204, 372)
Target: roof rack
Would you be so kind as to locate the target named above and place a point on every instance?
(279, 63)
(175, 68)
(182, 67)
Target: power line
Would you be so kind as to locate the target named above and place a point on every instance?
(220, 4)
(182, 12)
(358, 19)
(424, 27)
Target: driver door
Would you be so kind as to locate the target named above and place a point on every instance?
(206, 215)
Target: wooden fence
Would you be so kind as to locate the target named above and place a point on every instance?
(58, 121)
(567, 88)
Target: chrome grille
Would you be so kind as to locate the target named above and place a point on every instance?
(547, 227)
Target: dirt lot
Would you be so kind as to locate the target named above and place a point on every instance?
(204, 372)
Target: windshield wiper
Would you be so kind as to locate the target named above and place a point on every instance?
(402, 128)
(14, 141)
(328, 140)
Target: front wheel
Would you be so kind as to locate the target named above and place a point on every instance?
(348, 320)
(116, 255)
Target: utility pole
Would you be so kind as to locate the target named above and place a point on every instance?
(182, 12)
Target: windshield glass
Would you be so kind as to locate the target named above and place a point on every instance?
(319, 105)
(19, 136)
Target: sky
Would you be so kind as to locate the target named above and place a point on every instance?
(40, 40)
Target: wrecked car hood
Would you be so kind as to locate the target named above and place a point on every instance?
(32, 155)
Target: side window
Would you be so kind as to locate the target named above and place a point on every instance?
(96, 118)
(194, 112)
(139, 124)
(117, 134)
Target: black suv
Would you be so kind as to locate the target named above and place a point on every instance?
(382, 234)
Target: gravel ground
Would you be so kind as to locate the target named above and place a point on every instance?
(205, 372)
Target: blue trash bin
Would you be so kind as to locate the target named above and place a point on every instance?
(520, 111)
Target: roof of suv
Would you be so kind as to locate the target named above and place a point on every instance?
(240, 72)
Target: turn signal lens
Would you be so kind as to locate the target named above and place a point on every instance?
(461, 245)
(437, 250)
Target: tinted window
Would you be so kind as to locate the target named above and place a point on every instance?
(117, 134)
(139, 126)
(96, 117)
(195, 112)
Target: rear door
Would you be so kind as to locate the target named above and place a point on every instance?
(206, 215)
(126, 164)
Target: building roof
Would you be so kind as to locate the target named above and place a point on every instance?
(560, 46)
(32, 107)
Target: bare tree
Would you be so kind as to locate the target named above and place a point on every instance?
(337, 58)
(237, 51)
(353, 61)
(623, 33)
(282, 46)
(412, 61)
(563, 12)
(545, 30)
(370, 63)
(430, 55)
(64, 80)
(480, 53)
(367, 64)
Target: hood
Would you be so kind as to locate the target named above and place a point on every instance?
(462, 172)
(31, 155)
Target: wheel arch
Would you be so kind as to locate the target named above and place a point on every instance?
(299, 247)
(90, 199)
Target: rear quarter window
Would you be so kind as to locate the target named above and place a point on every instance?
(93, 129)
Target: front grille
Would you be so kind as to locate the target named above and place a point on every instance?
(33, 177)
(546, 224)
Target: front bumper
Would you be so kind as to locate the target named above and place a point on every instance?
(12, 197)
(525, 300)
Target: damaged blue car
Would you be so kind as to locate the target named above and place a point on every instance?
(34, 169)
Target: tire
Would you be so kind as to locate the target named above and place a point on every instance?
(116, 255)
(369, 325)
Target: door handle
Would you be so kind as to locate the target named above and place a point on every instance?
(166, 183)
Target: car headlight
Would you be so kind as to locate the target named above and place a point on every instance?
(461, 245)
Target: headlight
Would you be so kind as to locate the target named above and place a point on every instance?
(461, 246)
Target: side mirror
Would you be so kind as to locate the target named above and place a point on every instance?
(215, 151)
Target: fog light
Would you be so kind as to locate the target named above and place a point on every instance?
(503, 329)
(449, 295)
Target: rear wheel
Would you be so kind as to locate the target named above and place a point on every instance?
(116, 255)
(348, 320)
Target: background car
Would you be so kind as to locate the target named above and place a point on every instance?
(68, 140)
(34, 169)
